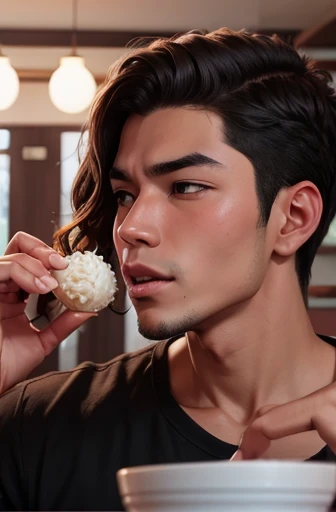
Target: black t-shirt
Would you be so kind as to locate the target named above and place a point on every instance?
(63, 436)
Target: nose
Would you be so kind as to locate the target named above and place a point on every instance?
(141, 226)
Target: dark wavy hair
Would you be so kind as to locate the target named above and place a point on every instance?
(277, 109)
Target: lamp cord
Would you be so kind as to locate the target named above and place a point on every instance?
(74, 27)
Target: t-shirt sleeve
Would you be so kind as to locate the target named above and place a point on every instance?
(12, 492)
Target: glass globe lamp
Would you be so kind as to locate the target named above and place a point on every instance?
(72, 86)
(9, 83)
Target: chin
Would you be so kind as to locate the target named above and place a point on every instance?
(165, 329)
(159, 332)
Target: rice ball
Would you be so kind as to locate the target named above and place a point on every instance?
(88, 284)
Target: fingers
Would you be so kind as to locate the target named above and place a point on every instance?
(28, 244)
(316, 411)
(9, 298)
(27, 273)
(9, 286)
(291, 418)
(61, 328)
(11, 310)
(253, 445)
(324, 423)
(253, 442)
(26, 265)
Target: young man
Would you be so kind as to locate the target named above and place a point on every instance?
(212, 156)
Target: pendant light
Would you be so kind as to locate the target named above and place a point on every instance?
(9, 82)
(72, 86)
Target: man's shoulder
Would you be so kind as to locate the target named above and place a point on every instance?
(88, 382)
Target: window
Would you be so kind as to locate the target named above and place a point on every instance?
(69, 166)
(4, 139)
(4, 189)
(68, 350)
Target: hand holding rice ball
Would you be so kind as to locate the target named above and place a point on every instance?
(88, 284)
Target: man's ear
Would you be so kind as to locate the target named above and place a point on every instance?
(298, 210)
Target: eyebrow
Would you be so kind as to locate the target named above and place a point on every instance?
(162, 168)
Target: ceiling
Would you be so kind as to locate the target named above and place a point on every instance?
(50, 22)
(36, 33)
(170, 15)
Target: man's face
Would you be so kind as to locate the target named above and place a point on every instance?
(188, 222)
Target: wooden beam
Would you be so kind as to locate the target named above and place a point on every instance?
(327, 249)
(323, 35)
(96, 39)
(330, 65)
(287, 35)
(43, 75)
(322, 291)
(88, 38)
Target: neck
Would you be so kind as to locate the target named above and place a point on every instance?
(262, 352)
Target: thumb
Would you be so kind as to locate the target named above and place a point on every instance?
(61, 328)
(265, 409)
(253, 442)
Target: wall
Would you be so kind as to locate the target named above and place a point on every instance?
(34, 107)
(324, 273)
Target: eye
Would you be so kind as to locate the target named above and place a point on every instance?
(124, 198)
(186, 187)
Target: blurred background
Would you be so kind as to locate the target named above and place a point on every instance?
(53, 56)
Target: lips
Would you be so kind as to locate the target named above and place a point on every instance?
(143, 281)
(138, 271)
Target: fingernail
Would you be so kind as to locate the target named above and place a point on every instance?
(56, 260)
(46, 283)
(237, 456)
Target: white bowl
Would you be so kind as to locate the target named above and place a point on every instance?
(249, 486)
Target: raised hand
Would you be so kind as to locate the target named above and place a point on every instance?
(26, 266)
(316, 411)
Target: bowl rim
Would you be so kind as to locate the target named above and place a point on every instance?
(214, 465)
(284, 475)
